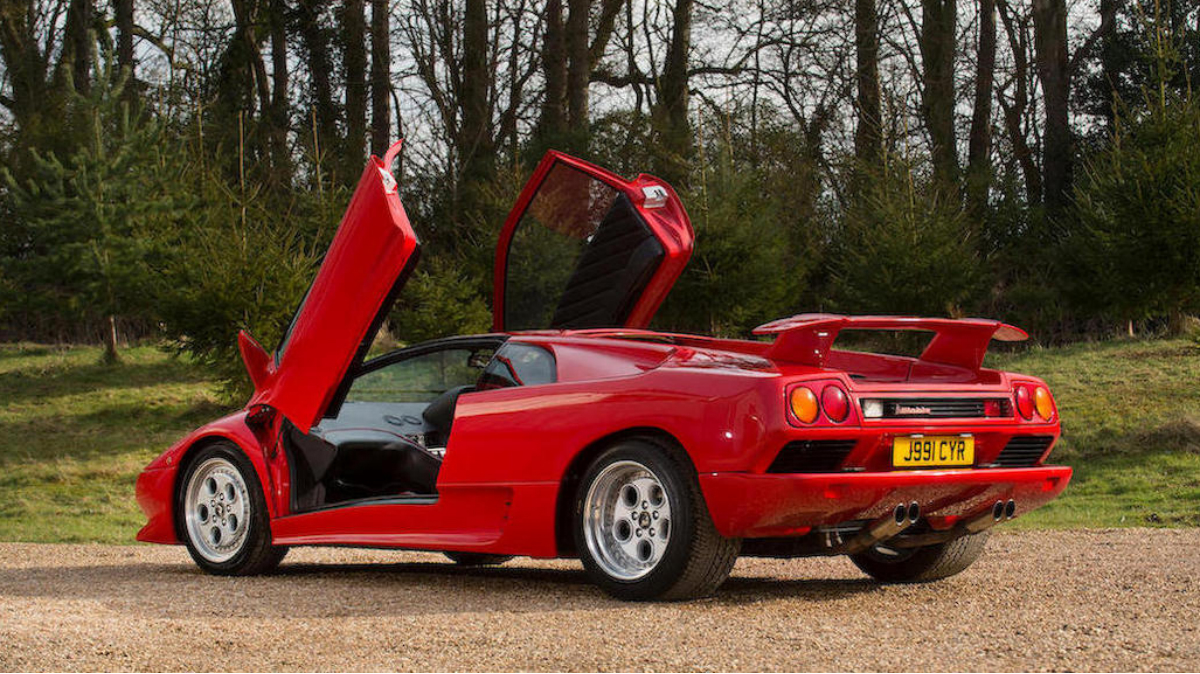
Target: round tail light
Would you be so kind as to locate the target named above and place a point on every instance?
(1024, 402)
(835, 403)
(1044, 403)
(804, 404)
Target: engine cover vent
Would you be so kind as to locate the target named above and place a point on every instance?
(1023, 451)
(812, 456)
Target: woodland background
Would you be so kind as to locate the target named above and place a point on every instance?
(173, 170)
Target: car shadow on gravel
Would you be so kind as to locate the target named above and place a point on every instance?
(308, 590)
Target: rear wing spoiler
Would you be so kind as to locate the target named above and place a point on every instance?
(808, 338)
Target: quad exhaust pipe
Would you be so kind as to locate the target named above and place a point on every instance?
(999, 512)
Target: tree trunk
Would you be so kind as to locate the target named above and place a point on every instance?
(868, 139)
(355, 61)
(979, 164)
(111, 355)
(381, 77)
(609, 11)
(79, 43)
(280, 117)
(938, 19)
(25, 64)
(1110, 54)
(579, 68)
(554, 71)
(320, 67)
(671, 109)
(124, 20)
(1050, 45)
(476, 141)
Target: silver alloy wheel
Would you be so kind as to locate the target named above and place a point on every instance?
(627, 520)
(217, 510)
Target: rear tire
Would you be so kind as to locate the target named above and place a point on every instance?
(222, 514)
(476, 558)
(921, 565)
(642, 528)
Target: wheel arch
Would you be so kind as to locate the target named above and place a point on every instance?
(188, 455)
(569, 482)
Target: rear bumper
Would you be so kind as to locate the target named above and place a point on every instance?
(750, 505)
(154, 490)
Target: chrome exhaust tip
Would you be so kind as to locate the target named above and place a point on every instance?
(901, 515)
(914, 512)
(1010, 509)
(998, 511)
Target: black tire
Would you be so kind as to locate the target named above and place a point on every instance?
(476, 558)
(695, 560)
(256, 555)
(921, 565)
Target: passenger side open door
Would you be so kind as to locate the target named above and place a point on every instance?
(585, 248)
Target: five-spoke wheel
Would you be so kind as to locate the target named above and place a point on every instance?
(215, 508)
(642, 528)
(627, 520)
(223, 515)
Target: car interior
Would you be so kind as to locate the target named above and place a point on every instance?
(388, 438)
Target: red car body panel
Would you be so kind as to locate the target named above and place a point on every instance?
(505, 483)
(759, 506)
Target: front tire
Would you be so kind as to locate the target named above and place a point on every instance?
(642, 528)
(222, 514)
(924, 564)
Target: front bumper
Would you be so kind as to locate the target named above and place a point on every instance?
(751, 505)
(155, 487)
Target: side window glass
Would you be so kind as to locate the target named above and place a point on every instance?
(420, 379)
(519, 365)
(553, 234)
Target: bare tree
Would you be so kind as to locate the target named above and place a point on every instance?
(1016, 108)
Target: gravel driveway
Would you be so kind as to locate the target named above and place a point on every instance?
(1110, 600)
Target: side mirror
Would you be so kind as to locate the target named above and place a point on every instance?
(257, 360)
(479, 359)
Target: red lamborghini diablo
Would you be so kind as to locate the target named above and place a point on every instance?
(573, 431)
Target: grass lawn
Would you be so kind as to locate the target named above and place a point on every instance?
(74, 434)
(1131, 431)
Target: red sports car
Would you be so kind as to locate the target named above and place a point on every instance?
(573, 431)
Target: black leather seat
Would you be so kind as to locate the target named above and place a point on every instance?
(440, 415)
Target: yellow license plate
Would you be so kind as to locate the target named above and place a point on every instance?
(921, 451)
